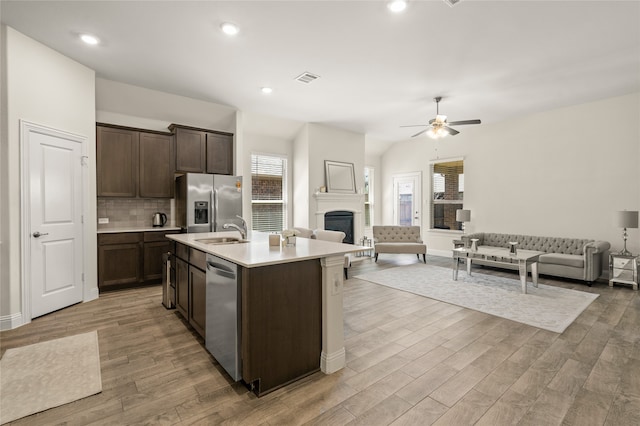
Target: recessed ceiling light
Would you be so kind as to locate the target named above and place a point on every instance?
(89, 39)
(267, 90)
(397, 6)
(229, 29)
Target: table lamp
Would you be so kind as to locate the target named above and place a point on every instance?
(465, 216)
(626, 219)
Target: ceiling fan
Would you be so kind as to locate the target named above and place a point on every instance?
(439, 127)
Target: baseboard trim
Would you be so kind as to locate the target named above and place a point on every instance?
(9, 322)
(91, 294)
(331, 363)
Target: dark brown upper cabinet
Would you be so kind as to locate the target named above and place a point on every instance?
(156, 165)
(219, 154)
(202, 150)
(117, 162)
(134, 162)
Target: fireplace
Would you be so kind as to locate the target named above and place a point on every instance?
(340, 220)
(327, 202)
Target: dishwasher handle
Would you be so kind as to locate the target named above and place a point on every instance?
(220, 270)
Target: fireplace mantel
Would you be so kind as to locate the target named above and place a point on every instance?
(328, 202)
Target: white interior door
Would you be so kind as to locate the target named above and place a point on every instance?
(407, 190)
(55, 240)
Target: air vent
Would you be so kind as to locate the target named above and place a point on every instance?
(307, 77)
(452, 2)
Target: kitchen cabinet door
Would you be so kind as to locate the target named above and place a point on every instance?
(182, 287)
(116, 162)
(190, 150)
(118, 265)
(152, 257)
(219, 154)
(157, 160)
(197, 292)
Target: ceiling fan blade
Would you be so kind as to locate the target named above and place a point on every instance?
(451, 131)
(415, 125)
(419, 133)
(463, 122)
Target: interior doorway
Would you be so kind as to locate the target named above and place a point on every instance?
(52, 219)
(407, 195)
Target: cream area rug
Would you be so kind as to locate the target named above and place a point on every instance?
(37, 377)
(546, 307)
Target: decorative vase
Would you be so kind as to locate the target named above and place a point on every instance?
(474, 244)
(290, 241)
(513, 250)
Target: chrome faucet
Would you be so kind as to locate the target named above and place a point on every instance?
(241, 229)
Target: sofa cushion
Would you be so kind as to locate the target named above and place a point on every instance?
(415, 248)
(573, 260)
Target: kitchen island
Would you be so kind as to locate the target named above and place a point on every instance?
(289, 306)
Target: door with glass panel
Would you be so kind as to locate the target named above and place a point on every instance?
(407, 199)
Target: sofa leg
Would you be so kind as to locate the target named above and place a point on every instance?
(376, 259)
(418, 254)
(346, 275)
(424, 258)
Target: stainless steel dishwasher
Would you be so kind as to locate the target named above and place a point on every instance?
(222, 337)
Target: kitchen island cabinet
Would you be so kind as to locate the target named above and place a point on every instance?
(191, 283)
(290, 306)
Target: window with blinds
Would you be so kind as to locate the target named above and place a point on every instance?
(448, 194)
(268, 192)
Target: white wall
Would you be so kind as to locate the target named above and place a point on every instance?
(328, 143)
(558, 173)
(301, 194)
(46, 88)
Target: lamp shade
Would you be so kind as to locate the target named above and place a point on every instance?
(625, 219)
(465, 216)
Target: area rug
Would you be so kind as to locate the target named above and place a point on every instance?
(37, 377)
(546, 307)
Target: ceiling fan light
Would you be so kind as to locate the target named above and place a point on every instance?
(397, 6)
(437, 132)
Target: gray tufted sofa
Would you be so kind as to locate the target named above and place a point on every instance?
(564, 257)
(399, 239)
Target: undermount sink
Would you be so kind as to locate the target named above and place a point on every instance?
(222, 240)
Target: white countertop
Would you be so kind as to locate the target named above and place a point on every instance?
(257, 251)
(149, 229)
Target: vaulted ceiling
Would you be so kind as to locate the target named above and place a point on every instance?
(377, 70)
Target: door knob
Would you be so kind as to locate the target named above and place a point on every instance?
(37, 234)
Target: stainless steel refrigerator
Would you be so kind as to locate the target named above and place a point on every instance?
(205, 202)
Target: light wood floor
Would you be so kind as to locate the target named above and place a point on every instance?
(410, 361)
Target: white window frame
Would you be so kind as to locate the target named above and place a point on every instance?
(285, 186)
(432, 202)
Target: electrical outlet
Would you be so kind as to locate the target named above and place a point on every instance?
(103, 220)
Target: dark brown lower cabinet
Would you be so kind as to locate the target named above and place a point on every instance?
(281, 323)
(182, 287)
(191, 286)
(130, 259)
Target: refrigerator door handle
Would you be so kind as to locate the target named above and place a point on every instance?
(214, 210)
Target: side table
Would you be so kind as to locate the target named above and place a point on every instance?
(623, 269)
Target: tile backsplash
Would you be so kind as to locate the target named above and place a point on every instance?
(132, 213)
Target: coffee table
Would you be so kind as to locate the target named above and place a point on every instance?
(500, 257)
